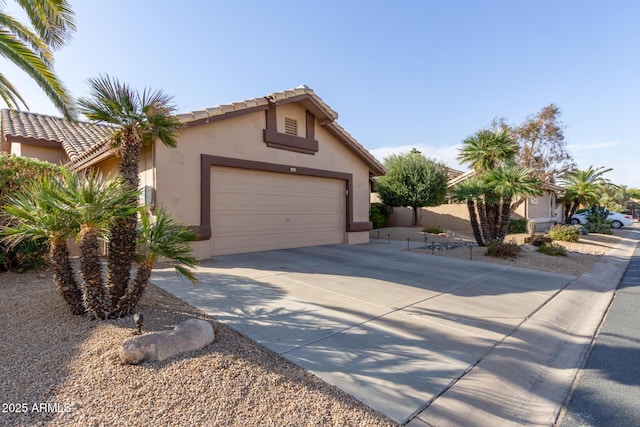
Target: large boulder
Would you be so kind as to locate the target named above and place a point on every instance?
(190, 335)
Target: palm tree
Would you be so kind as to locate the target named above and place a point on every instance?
(472, 192)
(510, 182)
(584, 187)
(93, 203)
(488, 149)
(162, 238)
(34, 215)
(73, 205)
(138, 120)
(31, 51)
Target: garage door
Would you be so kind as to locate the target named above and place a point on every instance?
(255, 211)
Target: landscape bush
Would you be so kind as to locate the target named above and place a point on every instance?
(433, 230)
(503, 249)
(379, 214)
(14, 173)
(553, 249)
(517, 226)
(538, 240)
(597, 222)
(564, 233)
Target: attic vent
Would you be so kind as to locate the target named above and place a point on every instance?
(290, 126)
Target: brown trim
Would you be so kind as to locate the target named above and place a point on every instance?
(283, 141)
(224, 116)
(310, 126)
(34, 141)
(207, 161)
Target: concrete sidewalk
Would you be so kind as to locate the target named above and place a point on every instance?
(608, 390)
(426, 340)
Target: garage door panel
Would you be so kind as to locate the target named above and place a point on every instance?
(256, 210)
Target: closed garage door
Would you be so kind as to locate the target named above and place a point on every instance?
(255, 211)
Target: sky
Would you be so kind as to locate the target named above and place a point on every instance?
(401, 74)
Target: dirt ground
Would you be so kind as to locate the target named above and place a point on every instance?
(581, 256)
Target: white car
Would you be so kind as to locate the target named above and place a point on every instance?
(617, 219)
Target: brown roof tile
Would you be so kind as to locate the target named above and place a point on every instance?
(76, 138)
(83, 141)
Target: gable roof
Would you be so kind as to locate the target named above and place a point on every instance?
(86, 142)
(470, 174)
(76, 138)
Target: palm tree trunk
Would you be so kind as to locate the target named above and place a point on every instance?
(64, 278)
(136, 289)
(493, 217)
(122, 242)
(484, 222)
(473, 218)
(505, 216)
(94, 295)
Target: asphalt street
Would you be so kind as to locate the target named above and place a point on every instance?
(608, 391)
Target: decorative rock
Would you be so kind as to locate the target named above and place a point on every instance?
(190, 335)
(528, 248)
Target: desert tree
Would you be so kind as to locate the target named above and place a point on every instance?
(414, 181)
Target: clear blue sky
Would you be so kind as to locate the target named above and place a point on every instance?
(400, 74)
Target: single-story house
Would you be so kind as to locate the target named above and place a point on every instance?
(267, 173)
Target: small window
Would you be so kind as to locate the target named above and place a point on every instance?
(290, 126)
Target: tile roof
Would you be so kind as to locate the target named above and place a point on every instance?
(272, 98)
(84, 141)
(76, 138)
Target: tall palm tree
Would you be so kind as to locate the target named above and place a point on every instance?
(31, 50)
(485, 151)
(137, 120)
(510, 182)
(584, 187)
(162, 238)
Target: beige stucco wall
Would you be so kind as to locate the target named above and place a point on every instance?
(448, 217)
(455, 216)
(47, 154)
(177, 171)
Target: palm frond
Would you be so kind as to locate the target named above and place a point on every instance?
(24, 58)
(9, 93)
(52, 19)
(165, 238)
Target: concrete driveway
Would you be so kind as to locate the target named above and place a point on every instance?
(403, 331)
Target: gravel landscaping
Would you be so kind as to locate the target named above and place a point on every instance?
(68, 367)
(61, 369)
(581, 255)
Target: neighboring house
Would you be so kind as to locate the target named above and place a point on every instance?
(266, 173)
(544, 209)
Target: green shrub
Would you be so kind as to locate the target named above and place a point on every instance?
(26, 255)
(597, 222)
(503, 249)
(433, 230)
(14, 172)
(538, 240)
(553, 249)
(517, 225)
(565, 233)
(379, 213)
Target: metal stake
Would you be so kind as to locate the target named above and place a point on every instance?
(470, 252)
(408, 243)
(389, 238)
(433, 248)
